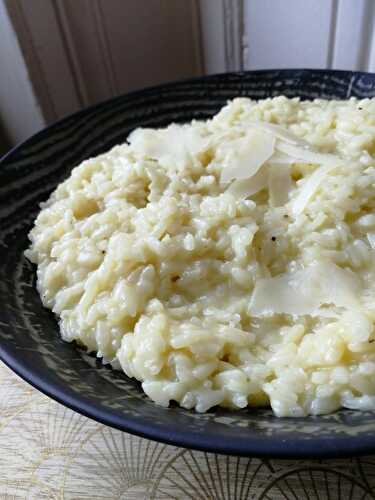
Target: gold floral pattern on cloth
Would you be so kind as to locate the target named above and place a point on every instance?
(48, 452)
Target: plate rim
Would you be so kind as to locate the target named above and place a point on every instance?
(263, 447)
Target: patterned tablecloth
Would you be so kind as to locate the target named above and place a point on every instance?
(50, 452)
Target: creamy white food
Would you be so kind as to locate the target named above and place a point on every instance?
(227, 262)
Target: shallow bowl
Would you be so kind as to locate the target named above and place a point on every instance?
(29, 337)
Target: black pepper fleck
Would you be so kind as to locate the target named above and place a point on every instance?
(273, 238)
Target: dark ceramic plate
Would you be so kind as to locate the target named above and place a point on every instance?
(29, 339)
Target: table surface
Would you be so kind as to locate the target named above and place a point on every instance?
(50, 452)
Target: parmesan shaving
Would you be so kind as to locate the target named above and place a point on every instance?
(309, 188)
(279, 132)
(279, 158)
(172, 145)
(307, 155)
(303, 292)
(253, 151)
(243, 188)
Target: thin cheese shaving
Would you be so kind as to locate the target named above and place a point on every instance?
(279, 158)
(245, 156)
(303, 292)
(253, 150)
(243, 188)
(307, 155)
(309, 188)
(279, 132)
(172, 145)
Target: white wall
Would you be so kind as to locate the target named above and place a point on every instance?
(262, 34)
(290, 33)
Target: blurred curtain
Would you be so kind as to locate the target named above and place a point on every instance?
(79, 52)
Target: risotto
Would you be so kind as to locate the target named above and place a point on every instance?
(225, 262)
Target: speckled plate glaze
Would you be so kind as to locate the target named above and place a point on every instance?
(29, 338)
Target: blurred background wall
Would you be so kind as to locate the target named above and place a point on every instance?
(57, 56)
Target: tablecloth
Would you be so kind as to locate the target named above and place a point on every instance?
(50, 452)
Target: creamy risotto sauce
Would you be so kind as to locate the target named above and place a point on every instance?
(226, 262)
